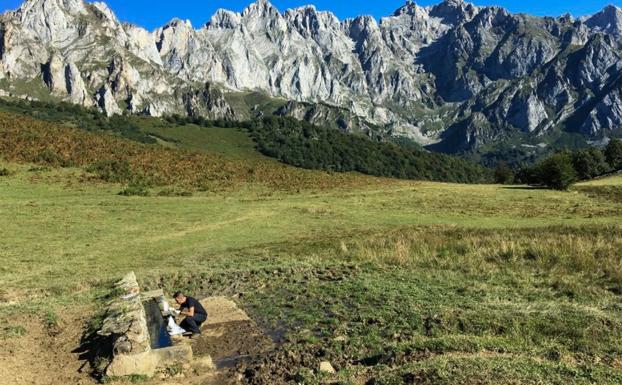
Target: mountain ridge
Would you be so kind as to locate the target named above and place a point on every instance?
(433, 74)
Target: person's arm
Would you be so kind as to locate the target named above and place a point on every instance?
(189, 312)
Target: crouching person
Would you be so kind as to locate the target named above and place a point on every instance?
(193, 311)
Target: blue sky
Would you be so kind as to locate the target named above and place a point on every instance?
(154, 13)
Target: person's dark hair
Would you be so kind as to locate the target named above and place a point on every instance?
(177, 294)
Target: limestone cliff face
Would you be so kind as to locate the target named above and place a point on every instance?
(453, 70)
(81, 53)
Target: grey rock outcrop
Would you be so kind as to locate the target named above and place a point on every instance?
(83, 54)
(609, 20)
(453, 70)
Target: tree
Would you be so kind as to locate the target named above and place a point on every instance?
(557, 171)
(589, 163)
(613, 153)
(503, 173)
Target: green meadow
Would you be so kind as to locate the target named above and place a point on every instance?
(394, 282)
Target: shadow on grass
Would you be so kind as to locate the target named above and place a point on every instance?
(525, 188)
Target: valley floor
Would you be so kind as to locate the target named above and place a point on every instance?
(407, 282)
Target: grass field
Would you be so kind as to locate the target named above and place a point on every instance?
(230, 142)
(392, 281)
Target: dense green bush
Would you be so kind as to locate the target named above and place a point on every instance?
(135, 190)
(562, 169)
(589, 163)
(613, 154)
(557, 171)
(115, 171)
(503, 173)
(50, 157)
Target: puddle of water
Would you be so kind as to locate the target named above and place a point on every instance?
(276, 335)
(231, 362)
(157, 326)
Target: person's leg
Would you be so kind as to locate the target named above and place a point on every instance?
(199, 319)
(190, 325)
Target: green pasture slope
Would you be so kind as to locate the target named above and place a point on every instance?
(403, 282)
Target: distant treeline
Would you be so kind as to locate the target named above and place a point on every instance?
(73, 115)
(305, 145)
(562, 169)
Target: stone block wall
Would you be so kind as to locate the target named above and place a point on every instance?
(126, 324)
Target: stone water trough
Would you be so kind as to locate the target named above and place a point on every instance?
(135, 324)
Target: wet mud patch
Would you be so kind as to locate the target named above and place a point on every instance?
(232, 342)
(229, 336)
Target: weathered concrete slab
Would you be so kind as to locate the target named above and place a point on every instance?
(144, 364)
(152, 294)
(175, 354)
(222, 310)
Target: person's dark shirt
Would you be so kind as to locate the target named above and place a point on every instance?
(191, 302)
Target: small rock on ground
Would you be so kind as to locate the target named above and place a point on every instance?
(326, 367)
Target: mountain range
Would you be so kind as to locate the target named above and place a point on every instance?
(454, 77)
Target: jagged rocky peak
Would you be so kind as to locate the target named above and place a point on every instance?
(178, 24)
(309, 12)
(51, 20)
(46, 7)
(262, 8)
(410, 8)
(362, 26)
(309, 21)
(224, 19)
(262, 15)
(454, 11)
(174, 36)
(102, 9)
(609, 20)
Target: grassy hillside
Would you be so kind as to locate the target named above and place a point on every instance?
(114, 159)
(393, 282)
(288, 140)
(233, 143)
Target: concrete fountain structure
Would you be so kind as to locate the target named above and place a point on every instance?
(140, 342)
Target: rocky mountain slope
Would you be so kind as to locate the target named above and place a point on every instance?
(453, 76)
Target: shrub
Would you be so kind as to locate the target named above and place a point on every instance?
(589, 163)
(39, 169)
(503, 173)
(557, 171)
(50, 157)
(302, 144)
(134, 190)
(4, 172)
(613, 154)
(118, 159)
(173, 192)
(12, 331)
(115, 171)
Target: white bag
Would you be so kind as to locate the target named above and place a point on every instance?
(174, 329)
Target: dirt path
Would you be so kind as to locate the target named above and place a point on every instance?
(45, 357)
